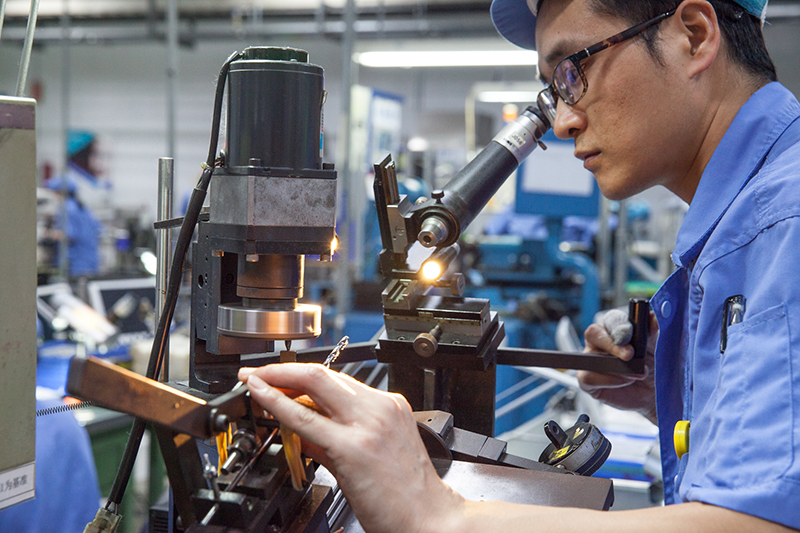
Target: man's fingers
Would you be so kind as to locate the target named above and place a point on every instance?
(599, 341)
(593, 381)
(332, 391)
(310, 425)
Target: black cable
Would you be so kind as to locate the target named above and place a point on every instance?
(173, 287)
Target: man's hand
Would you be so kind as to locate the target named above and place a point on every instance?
(635, 393)
(370, 442)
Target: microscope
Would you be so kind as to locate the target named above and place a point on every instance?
(272, 205)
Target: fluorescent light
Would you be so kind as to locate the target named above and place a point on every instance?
(149, 262)
(459, 58)
(507, 96)
(418, 144)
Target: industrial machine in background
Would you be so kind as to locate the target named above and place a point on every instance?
(231, 467)
(535, 259)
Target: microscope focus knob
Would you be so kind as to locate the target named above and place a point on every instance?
(426, 344)
(581, 449)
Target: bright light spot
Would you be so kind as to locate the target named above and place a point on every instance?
(458, 58)
(418, 144)
(334, 244)
(431, 270)
(149, 262)
(507, 96)
(510, 112)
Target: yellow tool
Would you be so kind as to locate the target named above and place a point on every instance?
(681, 438)
(223, 441)
(292, 446)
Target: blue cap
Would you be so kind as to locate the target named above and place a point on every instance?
(516, 19)
(77, 140)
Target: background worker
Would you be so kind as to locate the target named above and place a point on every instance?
(79, 227)
(679, 94)
(83, 190)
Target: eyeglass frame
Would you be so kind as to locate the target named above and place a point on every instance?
(551, 93)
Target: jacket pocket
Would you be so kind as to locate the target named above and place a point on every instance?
(748, 436)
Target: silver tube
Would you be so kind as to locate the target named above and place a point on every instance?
(525, 398)
(166, 171)
(621, 256)
(22, 77)
(604, 246)
(172, 74)
(433, 231)
(63, 245)
(347, 180)
(2, 14)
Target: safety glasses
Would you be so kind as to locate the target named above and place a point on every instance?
(569, 81)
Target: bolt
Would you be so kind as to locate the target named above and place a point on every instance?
(220, 422)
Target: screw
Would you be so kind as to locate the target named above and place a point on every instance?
(220, 422)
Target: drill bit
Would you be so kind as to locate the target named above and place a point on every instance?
(336, 351)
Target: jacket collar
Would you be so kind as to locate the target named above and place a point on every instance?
(739, 155)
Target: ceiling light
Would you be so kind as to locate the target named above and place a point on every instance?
(460, 58)
(507, 96)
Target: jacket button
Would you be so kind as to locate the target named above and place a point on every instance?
(666, 309)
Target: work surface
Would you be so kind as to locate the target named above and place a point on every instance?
(478, 482)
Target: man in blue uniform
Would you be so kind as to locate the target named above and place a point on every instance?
(662, 92)
(81, 229)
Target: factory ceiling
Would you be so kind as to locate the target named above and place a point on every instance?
(107, 21)
(134, 8)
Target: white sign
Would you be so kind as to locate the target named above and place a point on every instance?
(556, 171)
(17, 485)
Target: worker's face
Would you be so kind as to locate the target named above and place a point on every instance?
(626, 127)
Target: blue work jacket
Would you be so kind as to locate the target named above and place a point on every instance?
(741, 236)
(83, 234)
(67, 491)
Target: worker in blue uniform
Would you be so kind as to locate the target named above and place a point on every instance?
(80, 228)
(67, 490)
(675, 93)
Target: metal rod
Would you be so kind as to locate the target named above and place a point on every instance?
(25, 62)
(63, 243)
(349, 188)
(621, 256)
(525, 398)
(172, 74)
(166, 171)
(604, 246)
(2, 14)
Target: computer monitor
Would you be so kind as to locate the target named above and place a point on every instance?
(128, 303)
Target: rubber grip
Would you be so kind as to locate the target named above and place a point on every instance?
(639, 316)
